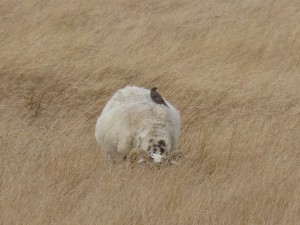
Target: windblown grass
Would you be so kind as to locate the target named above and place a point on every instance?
(230, 67)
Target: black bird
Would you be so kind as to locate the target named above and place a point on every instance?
(156, 97)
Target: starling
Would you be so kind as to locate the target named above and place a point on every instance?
(156, 97)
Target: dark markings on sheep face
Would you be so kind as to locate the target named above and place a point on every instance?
(162, 143)
(157, 148)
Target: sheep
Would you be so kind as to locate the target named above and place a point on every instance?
(131, 121)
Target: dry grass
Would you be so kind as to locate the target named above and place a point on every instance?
(232, 69)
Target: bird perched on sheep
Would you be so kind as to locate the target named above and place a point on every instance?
(132, 121)
(156, 97)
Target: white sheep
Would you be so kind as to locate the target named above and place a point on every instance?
(131, 120)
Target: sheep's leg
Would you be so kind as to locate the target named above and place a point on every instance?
(124, 146)
(112, 156)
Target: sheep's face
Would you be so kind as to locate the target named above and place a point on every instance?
(157, 148)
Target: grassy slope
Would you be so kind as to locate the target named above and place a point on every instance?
(231, 68)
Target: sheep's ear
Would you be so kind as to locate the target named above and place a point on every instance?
(176, 157)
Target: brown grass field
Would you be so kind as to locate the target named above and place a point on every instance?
(232, 68)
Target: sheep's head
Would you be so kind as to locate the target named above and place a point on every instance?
(157, 148)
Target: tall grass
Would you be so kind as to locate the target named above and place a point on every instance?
(230, 67)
